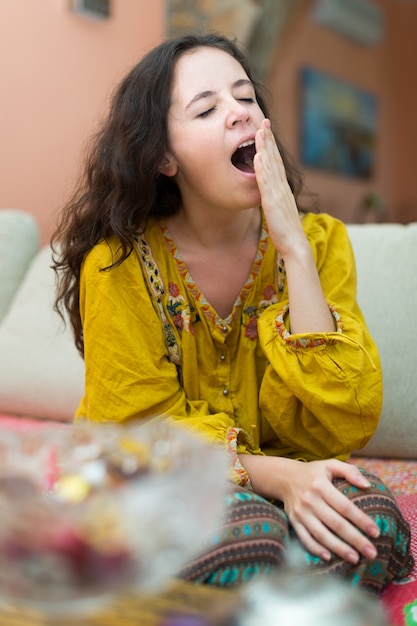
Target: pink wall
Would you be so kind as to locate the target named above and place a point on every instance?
(389, 70)
(57, 70)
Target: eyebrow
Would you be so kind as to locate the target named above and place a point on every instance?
(206, 94)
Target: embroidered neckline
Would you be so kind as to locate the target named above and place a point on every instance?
(157, 290)
(207, 309)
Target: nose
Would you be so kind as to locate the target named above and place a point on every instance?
(239, 113)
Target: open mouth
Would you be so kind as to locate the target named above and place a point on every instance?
(242, 158)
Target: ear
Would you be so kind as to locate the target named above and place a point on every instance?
(168, 166)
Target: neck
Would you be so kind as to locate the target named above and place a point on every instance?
(219, 231)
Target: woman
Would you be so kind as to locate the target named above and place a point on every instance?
(198, 289)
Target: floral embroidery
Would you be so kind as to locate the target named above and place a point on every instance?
(281, 273)
(157, 288)
(306, 341)
(175, 294)
(269, 297)
(205, 307)
(182, 321)
(251, 329)
(181, 315)
(239, 475)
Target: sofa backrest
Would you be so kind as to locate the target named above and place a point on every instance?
(19, 242)
(386, 260)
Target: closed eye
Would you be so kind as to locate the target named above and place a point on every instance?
(246, 100)
(207, 112)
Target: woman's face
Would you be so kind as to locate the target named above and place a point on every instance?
(212, 123)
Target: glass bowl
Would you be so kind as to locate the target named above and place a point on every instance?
(88, 512)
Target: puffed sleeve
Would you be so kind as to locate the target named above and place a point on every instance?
(128, 374)
(321, 395)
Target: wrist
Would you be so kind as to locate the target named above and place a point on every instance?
(269, 476)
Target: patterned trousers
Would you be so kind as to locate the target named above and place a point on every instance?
(255, 534)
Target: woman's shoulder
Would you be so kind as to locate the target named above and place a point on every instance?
(323, 227)
(321, 221)
(102, 255)
(106, 252)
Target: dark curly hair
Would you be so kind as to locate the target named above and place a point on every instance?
(121, 186)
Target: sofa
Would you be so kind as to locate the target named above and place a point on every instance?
(41, 372)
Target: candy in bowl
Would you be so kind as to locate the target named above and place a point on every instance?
(90, 511)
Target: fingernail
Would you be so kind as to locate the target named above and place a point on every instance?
(352, 557)
(365, 482)
(326, 556)
(373, 531)
(370, 552)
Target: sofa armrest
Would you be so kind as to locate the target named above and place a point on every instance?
(19, 242)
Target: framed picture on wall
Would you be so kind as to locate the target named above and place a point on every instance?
(338, 125)
(257, 24)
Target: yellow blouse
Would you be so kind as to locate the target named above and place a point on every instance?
(155, 346)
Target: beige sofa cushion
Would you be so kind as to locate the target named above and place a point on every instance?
(386, 259)
(41, 372)
(19, 242)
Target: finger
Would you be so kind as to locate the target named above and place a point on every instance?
(260, 139)
(265, 144)
(323, 542)
(349, 472)
(348, 533)
(266, 123)
(350, 511)
(267, 171)
(260, 171)
(273, 153)
(310, 544)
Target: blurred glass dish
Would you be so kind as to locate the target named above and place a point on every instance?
(293, 596)
(88, 512)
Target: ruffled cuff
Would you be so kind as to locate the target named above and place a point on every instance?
(308, 340)
(236, 439)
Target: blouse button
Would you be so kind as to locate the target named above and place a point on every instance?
(225, 392)
(222, 357)
(224, 329)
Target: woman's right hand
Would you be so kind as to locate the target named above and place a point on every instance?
(325, 521)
